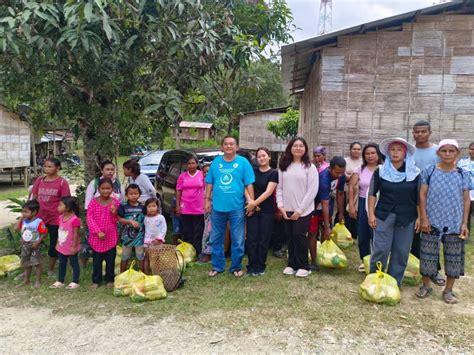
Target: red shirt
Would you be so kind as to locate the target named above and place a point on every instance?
(48, 194)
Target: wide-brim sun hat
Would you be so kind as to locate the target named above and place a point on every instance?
(444, 142)
(385, 144)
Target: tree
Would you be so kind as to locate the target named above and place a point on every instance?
(115, 69)
(287, 126)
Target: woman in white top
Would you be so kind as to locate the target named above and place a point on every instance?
(131, 168)
(353, 162)
(298, 183)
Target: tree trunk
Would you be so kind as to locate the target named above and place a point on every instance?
(90, 164)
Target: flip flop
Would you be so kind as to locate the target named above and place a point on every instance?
(72, 286)
(238, 273)
(57, 284)
(213, 273)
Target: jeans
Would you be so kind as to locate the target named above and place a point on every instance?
(394, 240)
(364, 232)
(219, 221)
(76, 270)
(97, 258)
(259, 232)
(192, 228)
(296, 232)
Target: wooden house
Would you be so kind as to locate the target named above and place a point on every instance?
(15, 141)
(195, 131)
(376, 80)
(253, 132)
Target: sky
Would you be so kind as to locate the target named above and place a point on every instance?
(347, 13)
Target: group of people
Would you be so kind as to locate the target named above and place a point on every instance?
(395, 198)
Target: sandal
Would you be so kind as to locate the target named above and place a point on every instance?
(361, 268)
(423, 292)
(238, 273)
(213, 273)
(94, 286)
(57, 284)
(438, 280)
(449, 297)
(72, 286)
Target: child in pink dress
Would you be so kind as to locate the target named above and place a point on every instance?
(103, 235)
(68, 242)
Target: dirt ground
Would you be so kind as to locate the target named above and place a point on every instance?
(41, 330)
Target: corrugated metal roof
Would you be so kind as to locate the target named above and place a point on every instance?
(298, 58)
(189, 124)
(274, 109)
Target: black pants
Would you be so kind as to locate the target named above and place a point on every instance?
(278, 238)
(296, 232)
(76, 270)
(259, 232)
(351, 224)
(53, 240)
(97, 258)
(192, 227)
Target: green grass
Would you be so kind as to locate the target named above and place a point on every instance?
(327, 299)
(13, 192)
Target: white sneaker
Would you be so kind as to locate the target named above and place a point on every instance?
(289, 271)
(303, 273)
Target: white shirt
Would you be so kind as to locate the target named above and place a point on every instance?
(155, 228)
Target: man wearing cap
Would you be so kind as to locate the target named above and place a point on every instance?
(395, 217)
(425, 155)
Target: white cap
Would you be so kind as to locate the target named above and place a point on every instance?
(452, 142)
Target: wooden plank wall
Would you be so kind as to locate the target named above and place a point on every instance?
(376, 85)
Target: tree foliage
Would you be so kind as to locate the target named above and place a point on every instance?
(117, 69)
(287, 126)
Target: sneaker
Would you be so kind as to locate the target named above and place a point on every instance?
(314, 267)
(361, 268)
(303, 273)
(289, 271)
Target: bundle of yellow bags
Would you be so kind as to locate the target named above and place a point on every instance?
(150, 288)
(341, 236)
(380, 287)
(188, 251)
(9, 263)
(329, 255)
(123, 282)
(411, 277)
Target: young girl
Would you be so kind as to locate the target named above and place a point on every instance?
(48, 191)
(68, 242)
(444, 209)
(102, 222)
(155, 227)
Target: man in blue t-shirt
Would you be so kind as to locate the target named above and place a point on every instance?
(331, 186)
(425, 155)
(229, 180)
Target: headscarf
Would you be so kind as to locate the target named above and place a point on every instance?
(320, 150)
(389, 173)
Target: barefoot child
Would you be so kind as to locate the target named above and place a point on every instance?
(102, 222)
(33, 231)
(68, 242)
(155, 228)
(131, 215)
(444, 209)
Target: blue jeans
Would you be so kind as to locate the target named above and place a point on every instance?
(219, 221)
(365, 234)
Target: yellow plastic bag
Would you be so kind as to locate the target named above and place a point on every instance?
(330, 256)
(188, 251)
(411, 277)
(149, 289)
(123, 282)
(380, 287)
(9, 263)
(118, 260)
(341, 236)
